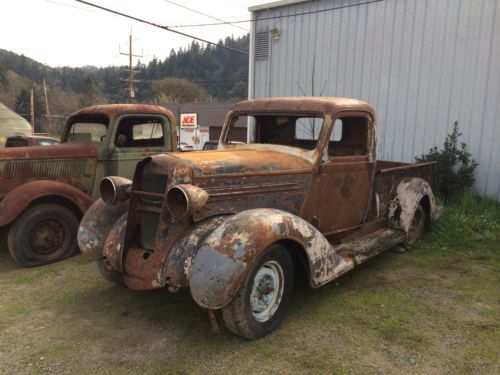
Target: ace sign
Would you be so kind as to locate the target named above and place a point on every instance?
(189, 120)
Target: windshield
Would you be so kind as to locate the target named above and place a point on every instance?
(283, 129)
(88, 129)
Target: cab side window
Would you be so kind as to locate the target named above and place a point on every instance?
(140, 131)
(349, 136)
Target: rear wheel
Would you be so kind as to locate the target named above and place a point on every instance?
(417, 227)
(261, 302)
(43, 234)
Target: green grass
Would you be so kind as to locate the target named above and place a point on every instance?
(434, 309)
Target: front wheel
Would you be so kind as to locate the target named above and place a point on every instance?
(43, 234)
(261, 302)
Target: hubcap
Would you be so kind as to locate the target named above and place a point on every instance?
(267, 291)
(47, 239)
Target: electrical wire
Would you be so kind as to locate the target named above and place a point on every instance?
(276, 17)
(160, 26)
(204, 14)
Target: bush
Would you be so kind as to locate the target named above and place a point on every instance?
(455, 168)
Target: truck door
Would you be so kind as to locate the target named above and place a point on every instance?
(134, 138)
(345, 176)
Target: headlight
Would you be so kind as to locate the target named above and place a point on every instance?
(115, 189)
(185, 199)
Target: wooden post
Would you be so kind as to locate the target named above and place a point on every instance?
(49, 129)
(32, 109)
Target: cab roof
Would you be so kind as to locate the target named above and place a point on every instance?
(305, 104)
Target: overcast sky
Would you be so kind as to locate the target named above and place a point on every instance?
(65, 32)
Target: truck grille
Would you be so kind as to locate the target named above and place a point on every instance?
(35, 169)
(148, 206)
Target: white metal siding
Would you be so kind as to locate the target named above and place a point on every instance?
(423, 64)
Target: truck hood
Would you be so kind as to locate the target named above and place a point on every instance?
(48, 152)
(243, 161)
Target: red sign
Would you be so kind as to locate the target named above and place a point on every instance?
(189, 120)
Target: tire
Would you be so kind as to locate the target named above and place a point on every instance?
(248, 318)
(43, 234)
(110, 275)
(417, 227)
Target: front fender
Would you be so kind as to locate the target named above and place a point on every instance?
(17, 200)
(410, 192)
(229, 253)
(95, 227)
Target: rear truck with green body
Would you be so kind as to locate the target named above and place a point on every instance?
(44, 191)
(236, 224)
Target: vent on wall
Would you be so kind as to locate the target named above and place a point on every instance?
(262, 46)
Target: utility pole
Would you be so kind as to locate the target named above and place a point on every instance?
(32, 109)
(49, 128)
(131, 80)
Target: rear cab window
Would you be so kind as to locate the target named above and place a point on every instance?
(16, 142)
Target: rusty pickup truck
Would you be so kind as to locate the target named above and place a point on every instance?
(44, 191)
(234, 225)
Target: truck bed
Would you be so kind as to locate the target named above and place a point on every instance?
(388, 175)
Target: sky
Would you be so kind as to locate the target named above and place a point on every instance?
(68, 33)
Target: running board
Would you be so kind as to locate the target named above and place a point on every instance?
(366, 247)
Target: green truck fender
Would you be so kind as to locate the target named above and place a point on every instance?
(228, 254)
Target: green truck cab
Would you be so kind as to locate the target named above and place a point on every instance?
(44, 191)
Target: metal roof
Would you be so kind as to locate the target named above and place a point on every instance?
(274, 4)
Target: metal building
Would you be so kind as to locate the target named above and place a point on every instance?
(423, 64)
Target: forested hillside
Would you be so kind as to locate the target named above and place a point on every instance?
(196, 73)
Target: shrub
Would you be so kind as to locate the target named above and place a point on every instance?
(455, 168)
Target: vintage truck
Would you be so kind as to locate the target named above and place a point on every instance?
(44, 191)
(234, 225)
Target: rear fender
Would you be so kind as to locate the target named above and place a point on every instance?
(96, 225)
(410, 192)
(227, 256)
(17, 200)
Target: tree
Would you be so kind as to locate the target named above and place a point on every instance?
(455, 168)
(4, 83)
(23, 108)
(90, 93)
(177, 90)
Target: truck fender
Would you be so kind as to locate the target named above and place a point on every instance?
(178, 265)
(409, 193)
(228, 254)
(17, 200)
(95, 227)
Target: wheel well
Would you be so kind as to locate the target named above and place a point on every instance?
(299, 259)
(62, 201)
(426, 205)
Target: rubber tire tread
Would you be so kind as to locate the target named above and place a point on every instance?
(17, 234)
(237, 315)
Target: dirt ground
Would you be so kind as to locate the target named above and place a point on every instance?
(434, 309)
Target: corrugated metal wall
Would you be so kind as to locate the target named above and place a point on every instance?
(423, 64)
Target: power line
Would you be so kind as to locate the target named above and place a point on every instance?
(160, 26)
(277, 17)
(206, 15)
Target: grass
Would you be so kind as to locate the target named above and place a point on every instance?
(434, 309)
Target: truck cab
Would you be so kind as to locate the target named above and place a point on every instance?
(44, 191)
